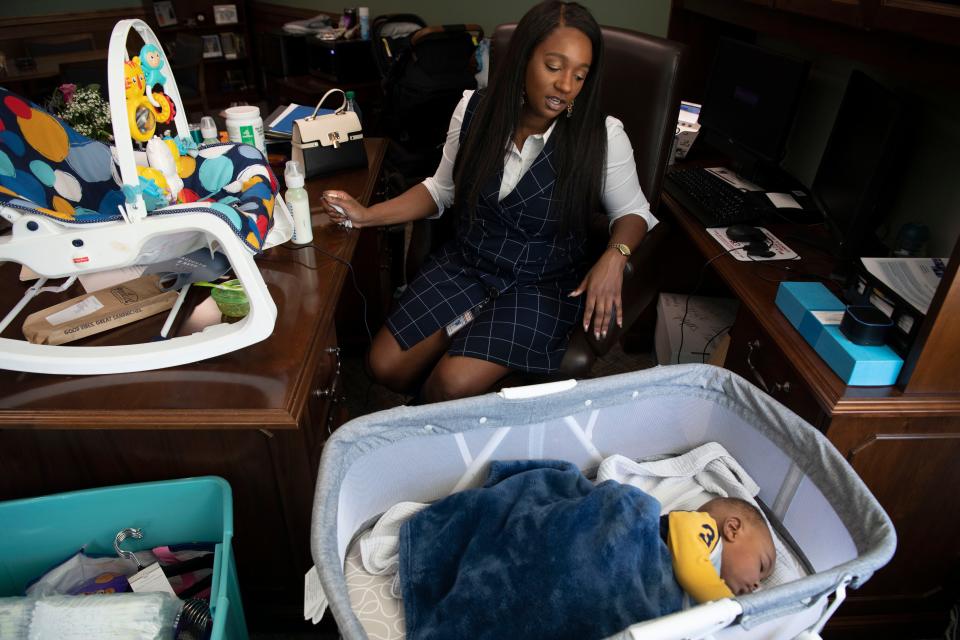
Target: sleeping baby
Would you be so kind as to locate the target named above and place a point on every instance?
(723, 549)
(539, 551)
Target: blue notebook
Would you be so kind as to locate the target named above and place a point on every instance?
(280, 122)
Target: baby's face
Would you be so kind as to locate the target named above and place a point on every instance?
(747, 560)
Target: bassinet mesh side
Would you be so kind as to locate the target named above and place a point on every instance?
(418, 453)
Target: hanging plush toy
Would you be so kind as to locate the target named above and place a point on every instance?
(158, 170)
(151, 61)
(141, 115)
(160, 156)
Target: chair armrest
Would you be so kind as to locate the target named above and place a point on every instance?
(640, 287)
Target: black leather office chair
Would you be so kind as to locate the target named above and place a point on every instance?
(640, 86)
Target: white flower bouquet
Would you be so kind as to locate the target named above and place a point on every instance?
(84, 109)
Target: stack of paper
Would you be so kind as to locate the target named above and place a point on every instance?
(280, 122)
(913, 279)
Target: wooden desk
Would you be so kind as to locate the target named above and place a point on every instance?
(904, 444)
(257, 416)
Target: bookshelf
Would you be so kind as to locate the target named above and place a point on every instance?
(209, 46)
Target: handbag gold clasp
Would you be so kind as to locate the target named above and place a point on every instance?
(334, 138)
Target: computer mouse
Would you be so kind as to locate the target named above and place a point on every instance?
(745, 233)
(760, 250)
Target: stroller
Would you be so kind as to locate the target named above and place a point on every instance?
(424, 71)
(827, 525)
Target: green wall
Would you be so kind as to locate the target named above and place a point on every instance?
(649, 16)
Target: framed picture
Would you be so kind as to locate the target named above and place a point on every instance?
(211, 46)
(235, 80)
(225, 14)
(164, 13)
(229, 43)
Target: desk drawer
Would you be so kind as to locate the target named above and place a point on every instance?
(755, 356)
(322, 413)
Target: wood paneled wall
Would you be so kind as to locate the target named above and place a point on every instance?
(13, 31)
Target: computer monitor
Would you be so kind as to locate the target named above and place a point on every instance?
(857, 168)
(750, 104)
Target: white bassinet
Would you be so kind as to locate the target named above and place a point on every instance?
(422, 454)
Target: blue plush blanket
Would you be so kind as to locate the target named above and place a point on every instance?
(537, 552)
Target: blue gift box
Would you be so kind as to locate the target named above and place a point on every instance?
(858, 365)
(804, 303)
(816, 314)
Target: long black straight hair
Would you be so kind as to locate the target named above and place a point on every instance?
(581, 140)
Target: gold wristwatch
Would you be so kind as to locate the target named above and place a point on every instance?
(622, 248)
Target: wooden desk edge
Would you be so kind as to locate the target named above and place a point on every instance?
(831, 393)
(286, 417)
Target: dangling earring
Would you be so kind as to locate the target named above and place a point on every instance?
(523, 98)
(570, 110)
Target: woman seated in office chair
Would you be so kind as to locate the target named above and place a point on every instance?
(505, 293)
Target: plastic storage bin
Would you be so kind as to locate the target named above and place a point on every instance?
(38, 533)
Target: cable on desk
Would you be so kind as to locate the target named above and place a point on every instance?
(696, 287)
(353, 278)
(771, 264)
(703, 354)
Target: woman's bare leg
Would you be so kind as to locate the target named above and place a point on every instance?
(401, 370)
(459, 377)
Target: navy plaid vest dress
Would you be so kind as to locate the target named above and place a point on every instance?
(510, 267)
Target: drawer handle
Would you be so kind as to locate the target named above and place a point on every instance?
(778, 387)
(754, 345)
(330, 391)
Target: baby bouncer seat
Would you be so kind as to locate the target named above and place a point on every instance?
(77, 206)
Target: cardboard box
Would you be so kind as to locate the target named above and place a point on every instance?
(706, 321)
(686, 134)
(98, 311)
(688, 126)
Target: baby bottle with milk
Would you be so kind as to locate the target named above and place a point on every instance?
(298, 201)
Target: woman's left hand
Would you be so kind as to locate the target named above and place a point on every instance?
(603, 284)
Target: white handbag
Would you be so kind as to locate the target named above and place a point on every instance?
(331, 142)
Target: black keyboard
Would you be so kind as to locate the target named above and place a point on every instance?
(713, 201)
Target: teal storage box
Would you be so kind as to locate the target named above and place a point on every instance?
(806, 305)
(39, 533)
(856, 364)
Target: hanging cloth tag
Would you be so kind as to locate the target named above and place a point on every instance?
(151, 580)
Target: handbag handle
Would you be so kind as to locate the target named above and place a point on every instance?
(338, 111)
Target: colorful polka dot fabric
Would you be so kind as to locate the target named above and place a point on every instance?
(48, 168)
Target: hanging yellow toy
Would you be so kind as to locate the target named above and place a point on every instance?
(140, 113)
(145, 111)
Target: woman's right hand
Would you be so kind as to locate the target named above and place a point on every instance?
(343, 208)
